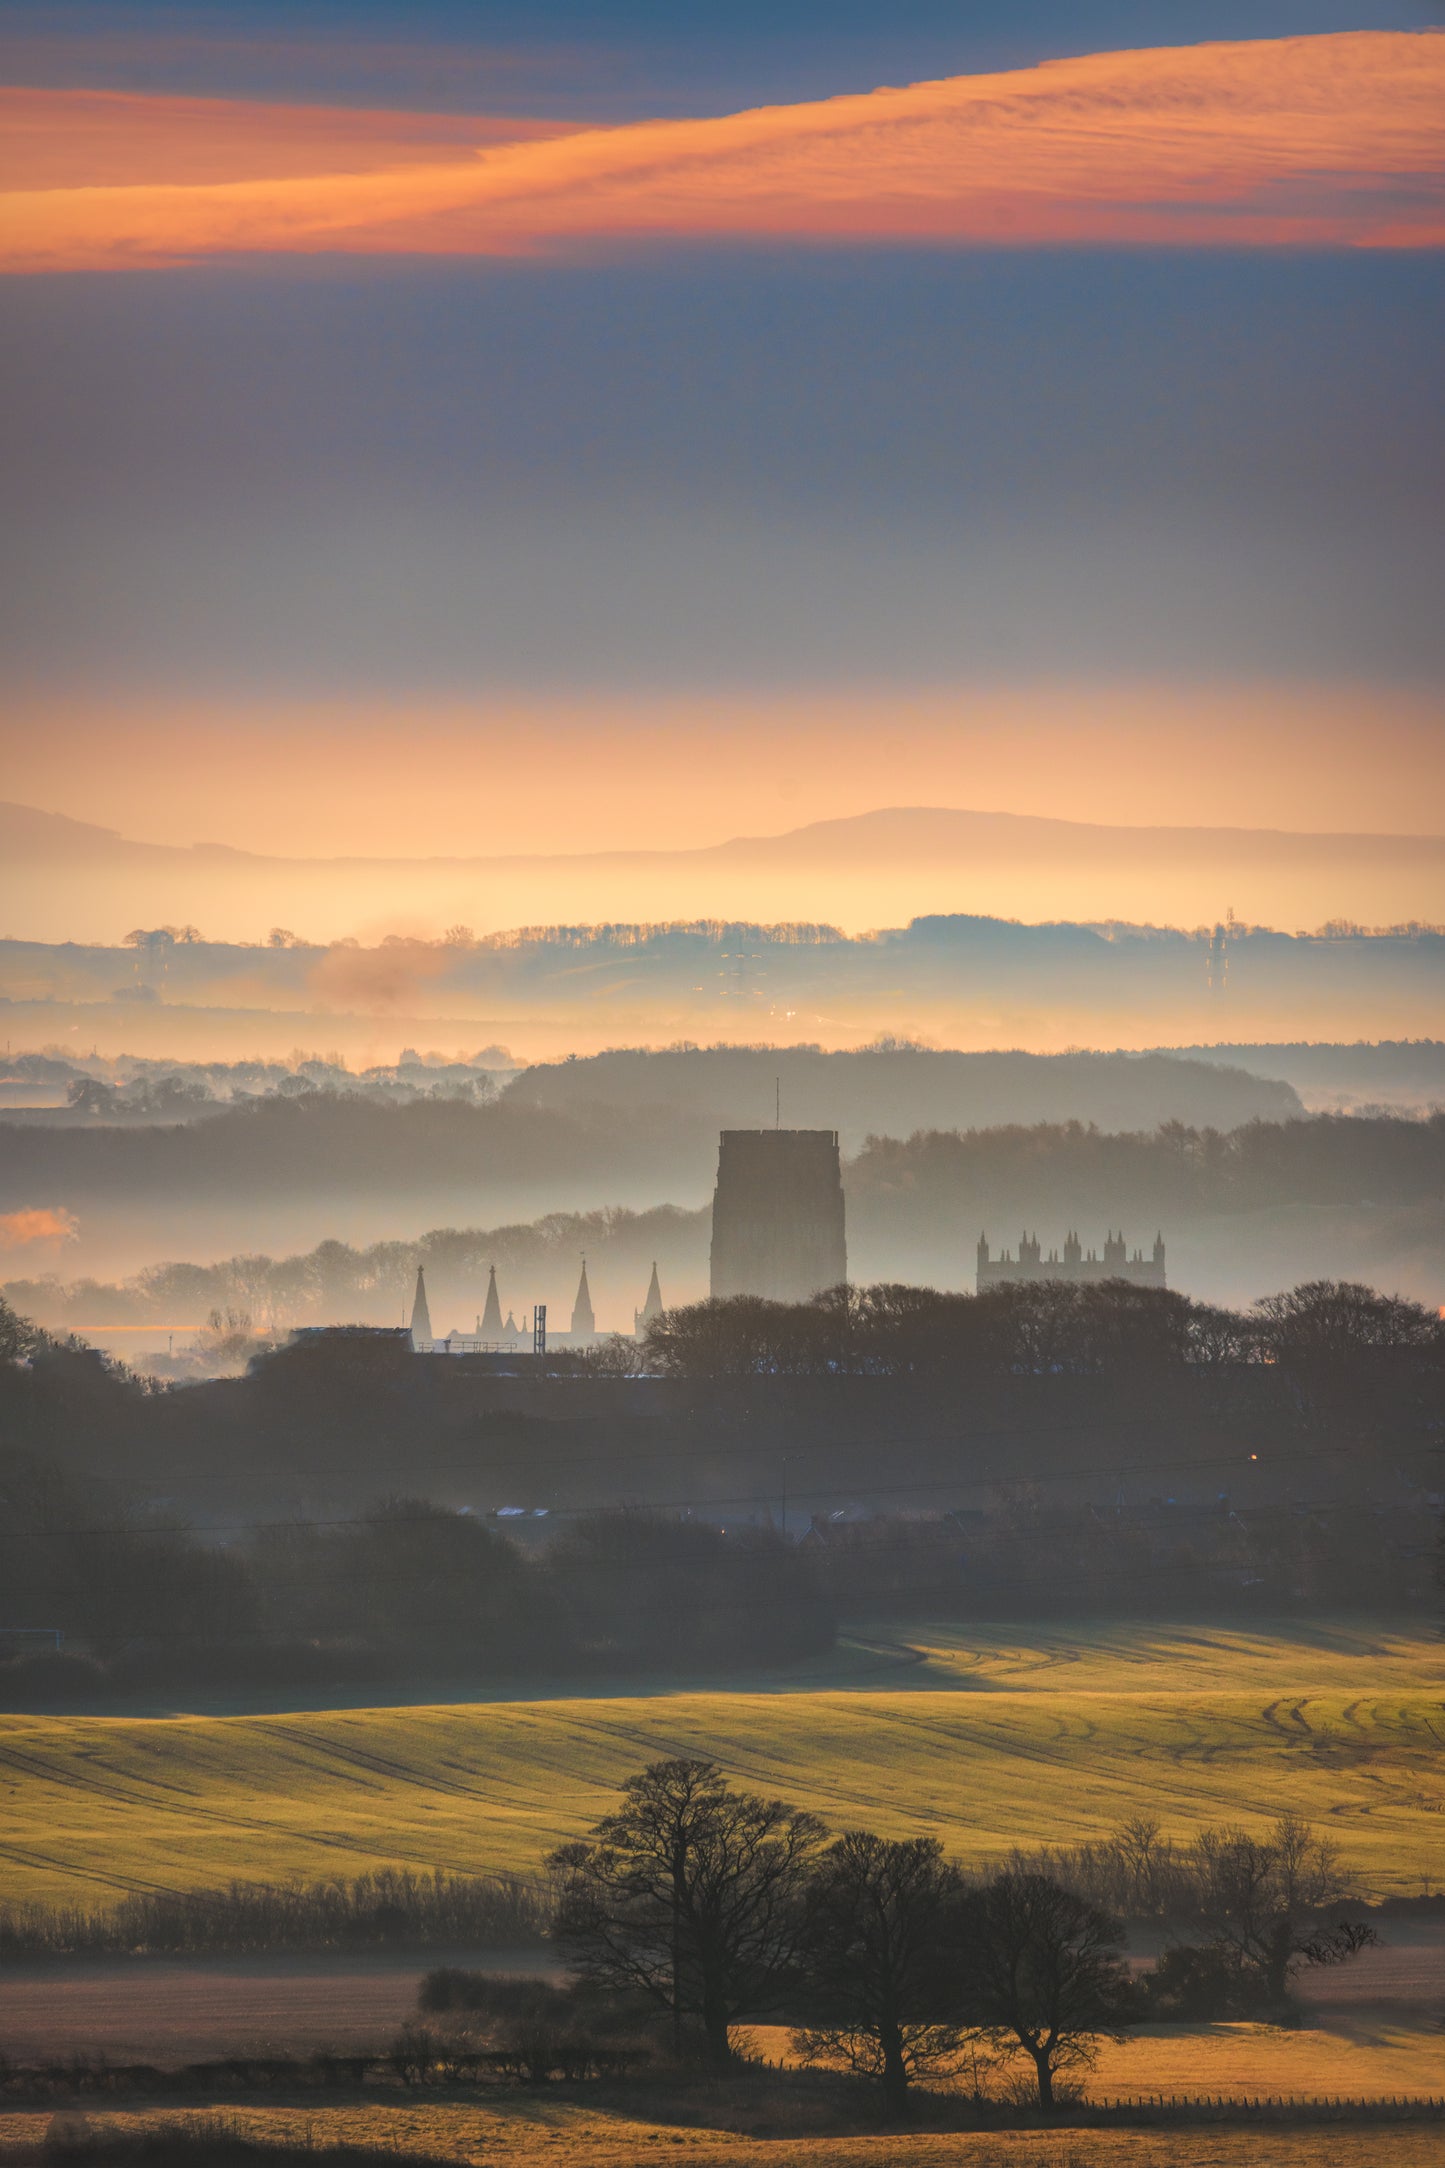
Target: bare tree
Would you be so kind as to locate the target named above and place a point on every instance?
(1335, 1319)
(732, 1336)
(1262, 1900)
(1044, 1974)
(228, 1337)
(876, 1961)
(92, 1095)
(691, 1893)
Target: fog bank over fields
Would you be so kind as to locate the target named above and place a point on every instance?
(320, 1155)
(546, 991)
(1242, 1209)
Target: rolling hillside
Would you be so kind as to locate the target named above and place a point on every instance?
(984, 1738)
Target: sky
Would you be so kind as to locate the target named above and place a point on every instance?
(472, 428)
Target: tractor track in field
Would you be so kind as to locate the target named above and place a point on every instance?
(986, 1746)
(369, 1764)
(218, 1817)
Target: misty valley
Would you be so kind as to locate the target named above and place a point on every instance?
(722, 1084)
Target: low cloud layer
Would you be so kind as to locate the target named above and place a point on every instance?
(376, 981)
(1311, 141)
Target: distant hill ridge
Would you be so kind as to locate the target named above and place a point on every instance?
(920, 868)
(888, 834)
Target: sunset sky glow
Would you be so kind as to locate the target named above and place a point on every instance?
(1320, 141)
(721, 424)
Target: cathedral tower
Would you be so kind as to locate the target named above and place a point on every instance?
(777, 1214)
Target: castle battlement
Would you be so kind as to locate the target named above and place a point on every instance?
(1071, 1263)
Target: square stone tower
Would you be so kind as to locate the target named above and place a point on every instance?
(777, 1214)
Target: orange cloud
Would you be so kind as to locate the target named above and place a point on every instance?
(39, 1224)
(82, 139)
(1316, 141)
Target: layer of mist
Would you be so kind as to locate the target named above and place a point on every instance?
(300, 1161)
(971, 982)
(1352, 1197)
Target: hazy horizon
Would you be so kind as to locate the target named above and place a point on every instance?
(538, 431)
(629, 481)
(72, 881)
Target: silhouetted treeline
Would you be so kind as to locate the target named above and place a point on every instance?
(1382, 1072)
(390, 1907)
(413, 1590)
(337, 1282)
(405, 1586)
(720, 1907)
(929, 1194)
(130, 1088)
(894, 1088)
(941, 969)
(630, 1119)
(328, 1142)
(1329, 1391)
(1027, 1555)
(1059, 1173)
(1330, 1354)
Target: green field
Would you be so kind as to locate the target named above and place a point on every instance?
(985, 1737)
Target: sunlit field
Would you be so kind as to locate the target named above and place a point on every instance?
(984, 1737)
(1364, 2055)
(525, 2131)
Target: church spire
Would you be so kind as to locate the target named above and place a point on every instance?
(421, 1337)
(491, 1326)
(584, 1324)
(651, 1308)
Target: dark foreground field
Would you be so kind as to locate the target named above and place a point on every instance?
(1371, 2032)
(155, 2010)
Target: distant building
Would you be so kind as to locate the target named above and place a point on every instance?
(777, 1214)
(1071, 1264)
(493, 1337)
(584, 1323)
(651, 1308)
(421, 1335)
(489, 1324)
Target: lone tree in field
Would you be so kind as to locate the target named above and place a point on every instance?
(876, 1974)
(691, 1893)
(1261, 1899)
(1043, 1972)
